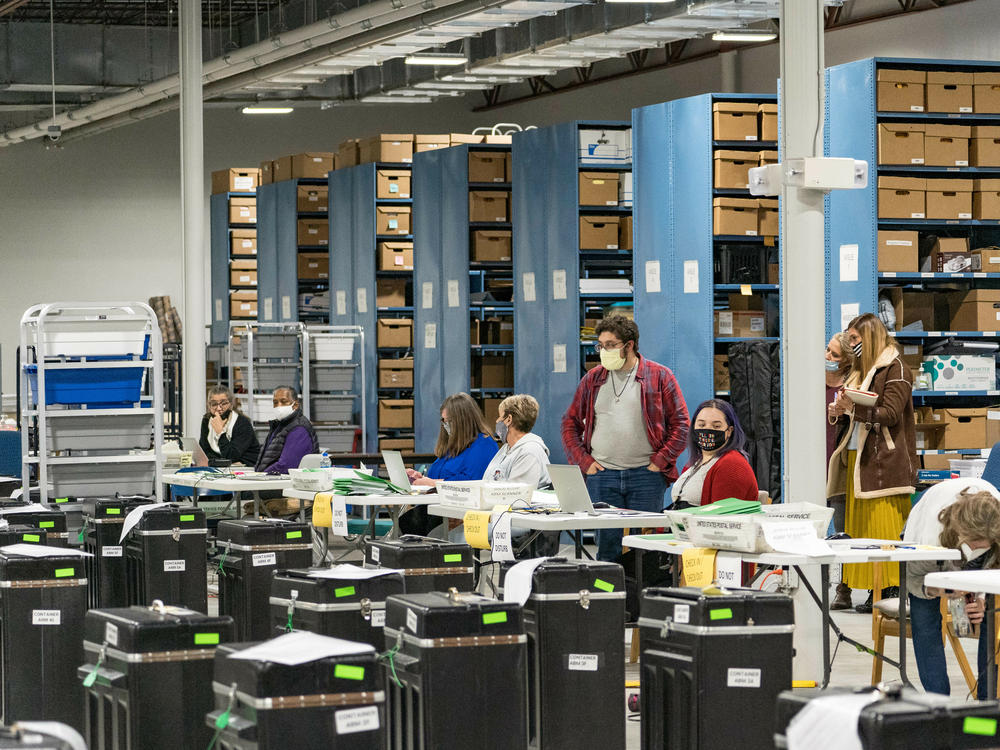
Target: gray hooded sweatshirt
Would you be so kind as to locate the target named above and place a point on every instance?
(526, 462)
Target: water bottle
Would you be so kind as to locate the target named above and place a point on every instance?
(324, 463)
(959, 619)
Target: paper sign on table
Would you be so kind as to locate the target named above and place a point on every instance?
(699, 566)
(503, 544)
(338, 511)
(729, 569)
(477, 528)
(322, 515)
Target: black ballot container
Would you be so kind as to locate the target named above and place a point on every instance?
(19, 533)
(52, 522)
(103, 518)
(42, 604)
(166, 557)
(902, 719)
(712, 667)
(326, 703)
(148, 676)
(427, 564)
(461, 665)
(574, 619)
(321, 600)
(44, 735)
(250, 550)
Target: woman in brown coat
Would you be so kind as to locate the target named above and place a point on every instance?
(876, 460)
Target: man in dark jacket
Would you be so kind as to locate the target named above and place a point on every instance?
(291, 436)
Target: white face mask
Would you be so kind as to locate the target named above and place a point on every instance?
(613, 359)
(283, 412)
(972, 554)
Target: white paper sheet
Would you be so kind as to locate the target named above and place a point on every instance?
(430, 335)
(849, 312)
(362, 300)
(517, 584)
(452, 292)
(559, 283)
(268, 308)
(40, 550)
(53, 729)
(341, 302)
(32, 508)
(350, 572)
(338, 515)
(653, 277)
(427, 295)
(528, 284)
(729, 568)
(301, 647)
(286, 307)
(829, 723)
(690, 277)
(559, 358)
(502, 547)
(848, 262)
(133, 518)
(795, 537)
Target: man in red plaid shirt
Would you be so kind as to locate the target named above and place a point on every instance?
(625, 428)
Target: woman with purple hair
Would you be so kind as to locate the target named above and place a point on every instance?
(717, 466)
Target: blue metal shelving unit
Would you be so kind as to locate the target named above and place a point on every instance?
(548, 265)
(219, 249)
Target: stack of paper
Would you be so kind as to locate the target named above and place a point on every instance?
(728, 507)
(365, 484)
(605, 286)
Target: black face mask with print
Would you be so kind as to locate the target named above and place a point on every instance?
(710, 440)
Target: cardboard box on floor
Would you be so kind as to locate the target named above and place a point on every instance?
(492, 246)
(901, 143)
(395, 373)
(390, 292)
(946, 145)
(731, 167)
(599, 188)
(900, 90)
(489, 206)
(242, 210)
(768, 121)
(312, 198)
(392, 219)
(395, 413)
(975, 310)
(313, 266)
(735, 121)
(243, 304)
(313, 232)
(949, 91)
(986, 199)
(395, 256)
(739, 324)
(901, 197)
(735, 216)
(986, 93)
(394, 333)
(236, 180)
(898, 252)
(599, 232)
(488, 166)
(392, 183)
(720, 372)
(393, 148)
(949, 199)
(242, 241)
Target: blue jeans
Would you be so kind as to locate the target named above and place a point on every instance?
(925, 620)
(635, 489)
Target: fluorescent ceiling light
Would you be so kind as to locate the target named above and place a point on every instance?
(267, 110)
(382, 99)
(436, 58)
(744, 36)
(450, 85)
(644, 2)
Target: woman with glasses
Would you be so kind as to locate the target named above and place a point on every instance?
(227, 435)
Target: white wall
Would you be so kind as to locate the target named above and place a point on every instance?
(100, 218)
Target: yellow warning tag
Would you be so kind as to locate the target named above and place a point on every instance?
(322, 516)
(477, 528)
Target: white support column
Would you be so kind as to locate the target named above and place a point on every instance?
(803, 280)
(192, 214)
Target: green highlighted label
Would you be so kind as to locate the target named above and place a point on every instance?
(62, 499)
(603, 585)
(187, 517)
(206, 639)
(112, 511)
(31, 538)
(293, 535)
(724, 613)
(65, 572)
(979, 725)
(348, 672)
(46, 524)
(345, 591)
(453, 558)
(494, 618)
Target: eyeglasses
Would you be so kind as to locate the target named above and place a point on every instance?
(219, 403)
(610, 347)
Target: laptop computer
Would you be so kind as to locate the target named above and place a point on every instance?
(393, 461)
(571, 491)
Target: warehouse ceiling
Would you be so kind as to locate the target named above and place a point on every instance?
(113, 62)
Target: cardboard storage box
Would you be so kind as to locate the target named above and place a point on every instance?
(599, 232)
(930, 309)
(986, 199)
(898, 252)
(243, 304)
(773, 273)
(313, 266)
(487, 166)
(347, 154)
(505, 331)
(390, 292)
(976, 310)
(768, 157)
(740, 324)
(395, 256)
(492, 246)
(929, 436)
(313, 232)
(599, 188)
(949, 199)
(949, 91)
(490, 408)
(243, 241)
(986, 93)
(768, 121)
(989, 259)
(489, 206)
(404, 445)
(395, 373)
(746, 302)
(901, 197)
(242, 210)
(947, 145)
(605, 145)
(494, 372)
(394, 148)
(243, 273)
(984, 148)
(767, 213)
(900, 90)
(311, 165)
(951, 255)
(392, 219)
(423, 142)
(731, 168)
(939, 461)
(720, 372)
(266, 172)
(966, 428)
(457, 139)
(962, 372)
(735, 121)
(901, 143)
(312, 198)
(736, 216)
(394, 333)
(236, 180)
(392, 183)
(625, 233)
(395, 413)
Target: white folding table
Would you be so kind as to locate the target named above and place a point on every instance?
(224, 483)
(394, 504)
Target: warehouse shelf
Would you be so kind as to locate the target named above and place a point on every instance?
(738, 339)
(931, 223)
(221, 252)
(500, 186)
(924, 395)
(931, 276)
(749, 145)
(752, 287)
(981, 452)
(944, 334)
(944, 117)
(909, 169)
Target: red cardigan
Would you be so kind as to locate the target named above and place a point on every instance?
(730, 476)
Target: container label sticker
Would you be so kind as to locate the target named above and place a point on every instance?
(559, 283)
(582, 663)
(528, 286)
(690, 277)
(264, 558)
(743, 678)
(453, 558)
(206, 639)
(427, 295)
(682, 613)
(376, 553)
(111, 551)
(411, 620)
(111, 634)
(378, 618)
(65, 572)
(293, 535)
(46, 524)
(349, 672)
(112, 511)
(173, 566)
(559, 358)
(187, 517)
(352, 720)
(46, 617)
(603, 585)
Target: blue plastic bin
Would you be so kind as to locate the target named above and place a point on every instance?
(97, 386)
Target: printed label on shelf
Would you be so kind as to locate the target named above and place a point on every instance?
(378, 618)
(286, 307)
(690, 277)
(427, 295)
(582, 663)
(559, 358)
(745, 290)
(559, 283)
(341, 302)
(353, 720)
(111, 551)
(338, 515)
(430, 335)
(528, 284)
(743, 678)
(961, 163)
(218, 309)
(848, 262)
(268, 308)
(725, 323)
(899, 243)
(46, 617)
(173, 566)
(376, 553)
(993, 415)
(751, 232)
(916, 161)
(916, 215)
(849, 312)
(756, 324)
(916, 108)
(452, 292)
(965, 109)
(682, 613)
(111, 633)
(965, 216)
(264, 558)
(729, 568)
(362, 303)
(653, 277)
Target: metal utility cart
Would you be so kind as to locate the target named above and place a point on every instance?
(336, 386)
(91, 385)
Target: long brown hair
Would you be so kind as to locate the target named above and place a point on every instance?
(875, 339)
(466, 421)
(221, 390)
(974, 516)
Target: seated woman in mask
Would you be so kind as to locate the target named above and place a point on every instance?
(227, 435)
(291, 435)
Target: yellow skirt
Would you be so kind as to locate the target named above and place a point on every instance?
(877, 518)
